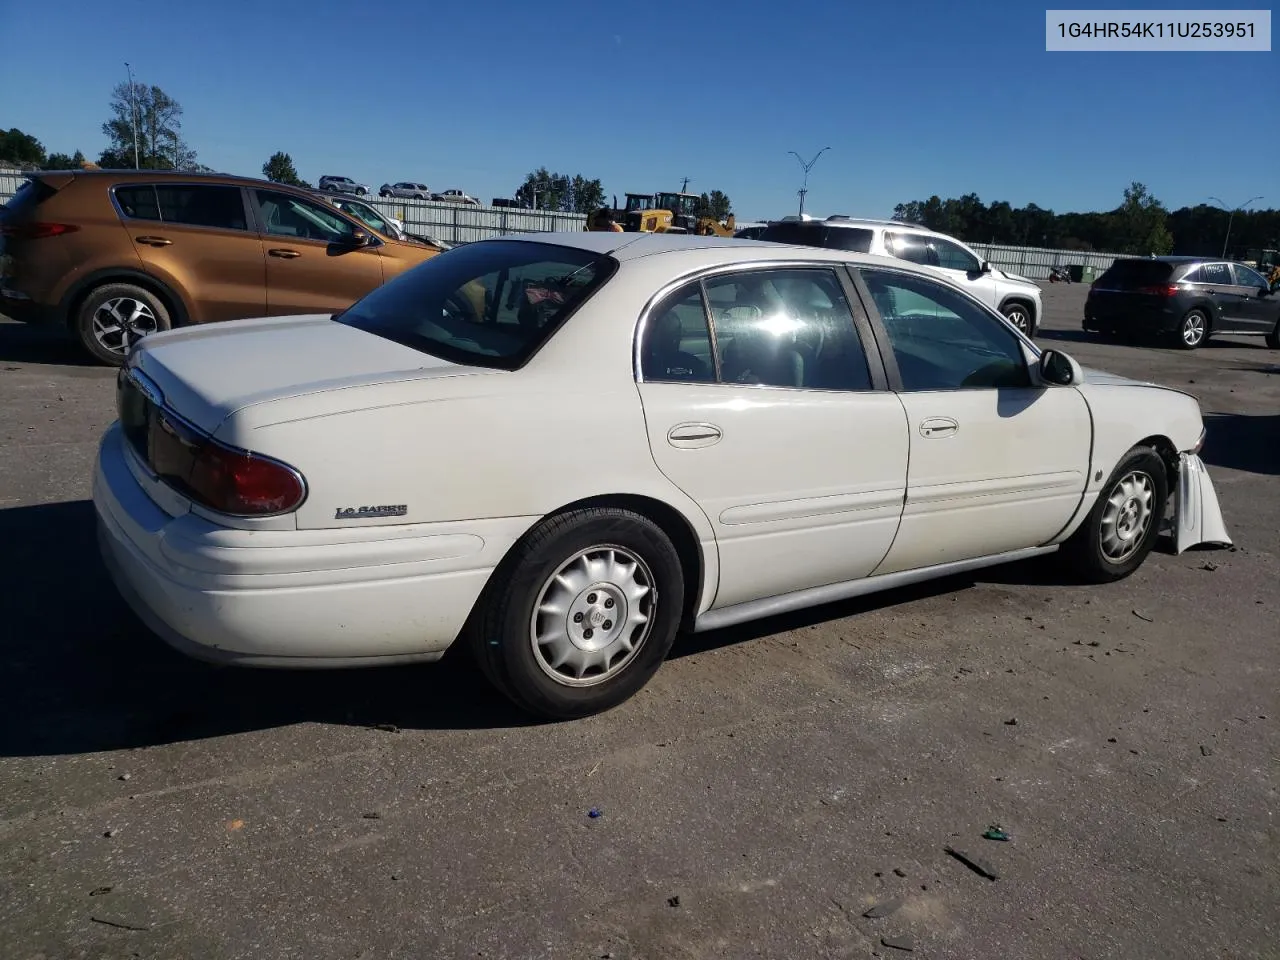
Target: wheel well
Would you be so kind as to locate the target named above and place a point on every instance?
(1167, 452)
(674, 525)
(177, 313)
(1021, 301)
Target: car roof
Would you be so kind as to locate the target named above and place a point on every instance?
(633, 246)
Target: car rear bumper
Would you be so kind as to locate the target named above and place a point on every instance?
(1153, 318)
(289, 598)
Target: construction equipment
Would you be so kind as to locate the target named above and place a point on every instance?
(666, 212)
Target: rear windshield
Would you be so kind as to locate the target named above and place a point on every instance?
(854, 239)
(491, 304)
(31, 194)
(1126, 274)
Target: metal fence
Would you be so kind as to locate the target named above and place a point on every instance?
(455, 223)
(1036, 262)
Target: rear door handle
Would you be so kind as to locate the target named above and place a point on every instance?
(935, 428)
(156, 241)
(284, 254)
(693, 435)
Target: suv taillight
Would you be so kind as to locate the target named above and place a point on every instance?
(241, 483)
(1161, 290)
(36, 231)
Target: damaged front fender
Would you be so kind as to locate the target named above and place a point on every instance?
(1197, 517)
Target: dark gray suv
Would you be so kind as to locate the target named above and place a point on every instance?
(1188, 299)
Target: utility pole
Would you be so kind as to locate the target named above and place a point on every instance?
(1231, 215)
(684, 184)
(133, 115)
(806, 167)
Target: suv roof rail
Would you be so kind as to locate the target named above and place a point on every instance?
(902, 224)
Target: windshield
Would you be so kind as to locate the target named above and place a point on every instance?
(854, 239)
(492, 303)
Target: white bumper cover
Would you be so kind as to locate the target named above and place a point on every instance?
(292, 598)
(1198, 518)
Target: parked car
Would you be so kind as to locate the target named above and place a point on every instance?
(405, 189)
(1017, 297)
(759, 428)
(333, 184)
(1187, 299)
(387, 225)
(117, 255)
(456, 196)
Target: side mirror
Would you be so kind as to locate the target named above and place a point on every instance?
(984, 267)
(1059, 369)
(359, 238)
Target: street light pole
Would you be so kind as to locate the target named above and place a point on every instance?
(806, 167)
(1231, 215)
(133, 115)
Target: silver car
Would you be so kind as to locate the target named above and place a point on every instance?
(406, 190)
(333, 184)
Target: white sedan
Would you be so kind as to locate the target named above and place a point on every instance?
(563, 449)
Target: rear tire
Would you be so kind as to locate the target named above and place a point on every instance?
(115, 316)
(1124, 523)
(1193, 330)
(581, 614)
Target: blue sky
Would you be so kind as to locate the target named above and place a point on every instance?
(913, 98)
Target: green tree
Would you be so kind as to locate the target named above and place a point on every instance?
(716, 205)
(1141, 222)
(62, 161)
(280, 169)
(545, 190)
(21, 150)
(158, 118)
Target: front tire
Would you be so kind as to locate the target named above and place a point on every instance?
(114, 317)
(1193, 330)
(1273, 338)
(1019, 315)
(1124, 523)
(582, 613)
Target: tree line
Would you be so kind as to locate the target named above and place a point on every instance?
(1139, 225)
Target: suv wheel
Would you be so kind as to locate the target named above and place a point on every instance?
(1193, 330)
(1273, 338)
(114, 317)
(1020, 316)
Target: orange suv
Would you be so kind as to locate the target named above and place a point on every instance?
(114, 255)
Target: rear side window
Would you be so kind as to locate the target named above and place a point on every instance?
(910, 247)
(853, 239)
(1131, 274)
(30, 195)
(194, 204)
(1217, 273)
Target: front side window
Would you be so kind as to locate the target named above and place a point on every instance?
(284, 215)
(491, 304)
(1246, 277)
(941, 339)
(369, 216)
(953, 256)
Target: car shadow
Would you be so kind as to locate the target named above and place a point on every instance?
(1241, 441)
(84, 675)
(27, 343)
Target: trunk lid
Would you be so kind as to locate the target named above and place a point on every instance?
(205, 373)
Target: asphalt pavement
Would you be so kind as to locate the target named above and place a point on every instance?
(771, 785)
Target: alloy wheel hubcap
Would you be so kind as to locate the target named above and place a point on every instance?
(1127, 516)
(1193, 329)
(122, 322)
(592, 616)
(1018, 319)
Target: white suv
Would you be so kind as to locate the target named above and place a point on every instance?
(1016, 297)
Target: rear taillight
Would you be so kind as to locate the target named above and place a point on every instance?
(1160, 290)
(242, 483)
(36, 231)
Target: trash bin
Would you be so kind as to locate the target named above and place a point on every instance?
(1088, 273)
(1080, 273)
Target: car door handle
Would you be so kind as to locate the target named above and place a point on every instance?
(156, 241)
(694, 435)
(284, 253)
(937, 427)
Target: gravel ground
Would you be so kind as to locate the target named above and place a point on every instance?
(770, 786)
